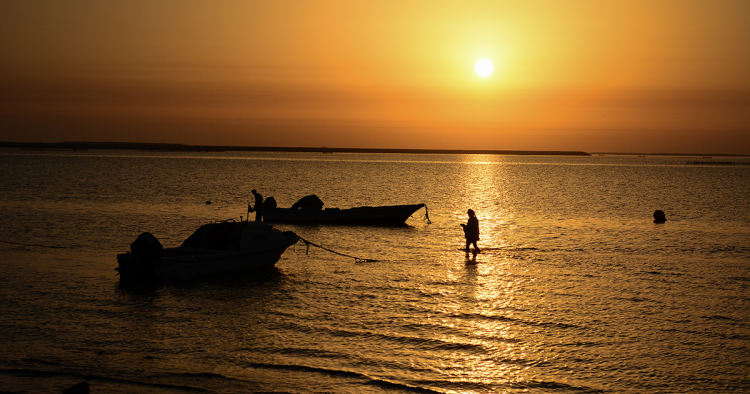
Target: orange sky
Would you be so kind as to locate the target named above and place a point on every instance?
(599, 76)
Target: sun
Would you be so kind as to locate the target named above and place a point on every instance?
(483, 67)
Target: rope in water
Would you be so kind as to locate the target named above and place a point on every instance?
(427, 215)
(356, 259)
(37, 245)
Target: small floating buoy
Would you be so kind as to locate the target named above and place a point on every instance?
(208, 202)
(659, 216)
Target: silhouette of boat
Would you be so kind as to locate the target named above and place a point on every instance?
(387, 215)
(215, 249)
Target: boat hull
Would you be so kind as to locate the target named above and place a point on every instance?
(184, 263)
(390, 215)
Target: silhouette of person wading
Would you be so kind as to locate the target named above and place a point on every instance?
(471, 231)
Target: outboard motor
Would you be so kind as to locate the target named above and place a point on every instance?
(270, 202)
(146, 246)
(145, 251)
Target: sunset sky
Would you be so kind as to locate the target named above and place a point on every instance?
(599, 76)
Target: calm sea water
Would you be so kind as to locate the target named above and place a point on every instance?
(575, 291)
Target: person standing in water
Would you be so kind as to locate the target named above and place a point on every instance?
(471, 230)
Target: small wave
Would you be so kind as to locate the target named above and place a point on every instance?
(637, 299)
(380, 382)
(450, 346)
(399, 340)
(495, 318)
(422, 386)
(508, 249)
(660, 273)
(312, 352)
(532, 385)
(512, 319)
(728, 250)
(200, 375)
(460, 386)
(490, 250)
(717, 317)
(39, 361)
(547, 385)
(121, 381)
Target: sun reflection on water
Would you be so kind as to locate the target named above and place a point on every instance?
(483, 317)
(490, 301)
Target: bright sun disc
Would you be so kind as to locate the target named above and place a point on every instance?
(484, 67)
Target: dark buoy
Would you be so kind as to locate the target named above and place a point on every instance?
(659, 216)
(208, 202)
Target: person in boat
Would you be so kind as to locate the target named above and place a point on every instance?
(659, 216)
(258, 208)
(471, 230)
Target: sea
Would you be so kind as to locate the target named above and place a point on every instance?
(575, 289)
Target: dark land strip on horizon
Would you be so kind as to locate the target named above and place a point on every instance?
(167, 147)
(211, 148)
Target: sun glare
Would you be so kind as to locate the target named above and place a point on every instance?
(484, 67)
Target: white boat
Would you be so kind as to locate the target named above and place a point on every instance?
(215, 249)
(388, 215)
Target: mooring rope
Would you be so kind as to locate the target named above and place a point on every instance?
(37, 245)
(356, 259)
(427, 215)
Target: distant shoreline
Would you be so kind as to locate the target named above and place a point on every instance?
(704, 155)
(212, 148)
(166, 147)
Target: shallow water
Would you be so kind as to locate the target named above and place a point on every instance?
(576, 290)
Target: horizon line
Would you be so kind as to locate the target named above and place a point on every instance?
(161, 146)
